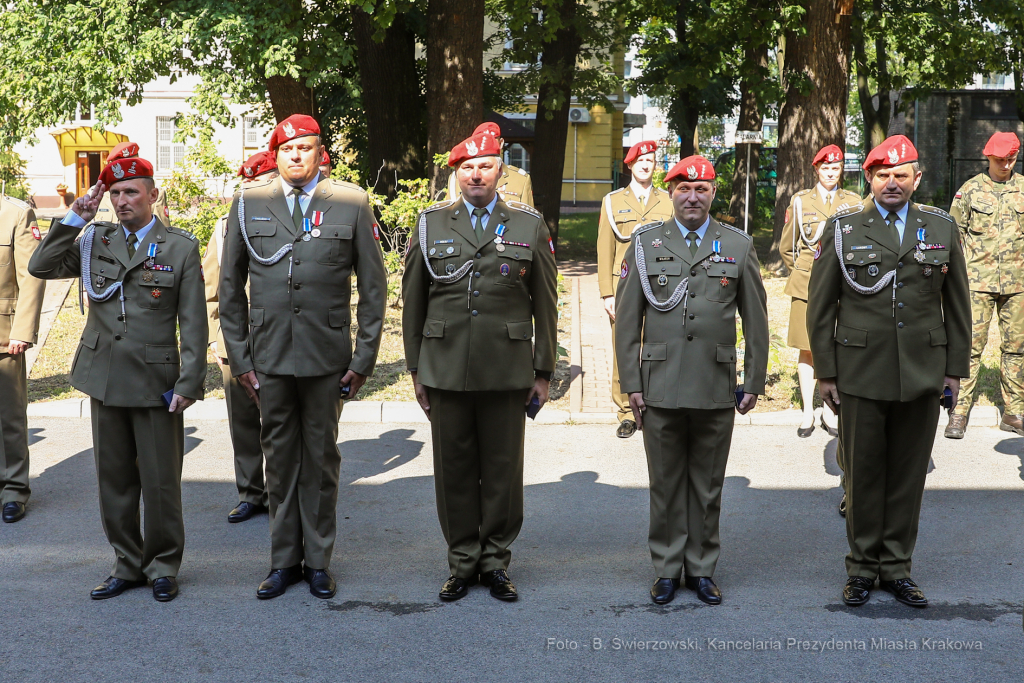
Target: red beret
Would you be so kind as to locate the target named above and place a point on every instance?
(123, 150)
(894, 151)
(488, 127)
(828, 155)
(478, 145)
(258, 164)
(639, 149)
(1002, 145)
(691, 169)
(125, 169)
(295, 126)
(325, 158)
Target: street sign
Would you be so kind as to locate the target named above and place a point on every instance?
(749, 137)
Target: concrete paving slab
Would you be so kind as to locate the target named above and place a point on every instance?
(407, 412)
(361, 411)
(71, 407)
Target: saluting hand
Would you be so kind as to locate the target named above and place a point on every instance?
(87, 205)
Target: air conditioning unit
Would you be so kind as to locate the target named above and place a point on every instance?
(579, 115)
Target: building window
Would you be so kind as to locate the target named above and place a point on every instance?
(993, 81)
(252, 133)
(169, 152)
(518, 156)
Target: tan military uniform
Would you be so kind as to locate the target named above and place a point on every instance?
(683, 360)
(888, 321)
(294, 330)
(990, 216)
(128, 357)
(806, 219)
(243, 414)
(105, 212)
(468, 327)
(21, 299)
(621, 212)
(515, 185)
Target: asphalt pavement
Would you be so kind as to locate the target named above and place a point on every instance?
(581, 565)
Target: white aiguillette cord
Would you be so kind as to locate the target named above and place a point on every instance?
(277, 256)
(873, 289)
(85, 254)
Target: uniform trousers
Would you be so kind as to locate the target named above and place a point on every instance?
(478, 440)
(300, 441)
(620, 399)
(687, 451)
(1010, 311)
(14, 486)
(244, 428)
(886, 446)
(139, 451)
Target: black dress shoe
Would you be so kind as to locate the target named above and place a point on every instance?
(626, 429)
(705, 588)
(165, 588)
(804, 432)
(13, 512)
(832, 431)
(321, 583)
(113, 587)
(277, 582)
(857, 590)
(664, 590)
(455, 588)
(906, 591)
(842, 506)
(244, 511)
(501, 586)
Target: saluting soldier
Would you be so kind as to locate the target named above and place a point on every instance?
(106, 213)
(889, 323)
(806, 219)
(298, 239)
(21, 299)
(243, 414)
(681, 284)
(989, 210)
(145, 284)
(479, 285)
(621, 212)
(513, 186)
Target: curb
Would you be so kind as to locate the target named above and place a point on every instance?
(409, 412)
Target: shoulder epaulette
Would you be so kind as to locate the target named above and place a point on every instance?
(347, 185)
(647, 226)
(17, 202)
(848, 211)
(935, 211)
(735, 229)
(440, 205)
(184, 233)
(525, 208)
(522, 172)
(801, 193)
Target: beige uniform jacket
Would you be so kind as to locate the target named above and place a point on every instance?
(686, 357)
(515, 186)
(806, 219)
(897, 343)
(105, 212)
(211, 266)
(494, 327)
(21, 295)
(298, 324)
(621, 212)
(131, 359)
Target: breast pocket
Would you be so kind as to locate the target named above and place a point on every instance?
(663, 275)
(982, 217)
(263, 237)
(334, 245)
(933, 269)
(514, 265)
(722, 282)
(625, 223)
(6, 244)
(864, 267)
(156, 289)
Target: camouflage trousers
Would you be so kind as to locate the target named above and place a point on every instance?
(1010, 309)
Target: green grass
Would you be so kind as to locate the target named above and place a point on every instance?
(577, 237)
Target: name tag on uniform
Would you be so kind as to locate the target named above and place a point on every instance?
(451, 241)
(625, 210)
(259, 218)
(101, 257)
(862, 247)
(664, 258)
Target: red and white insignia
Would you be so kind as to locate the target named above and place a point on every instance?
(117, 171)
(318, 217)
(522, 272)
(551, 245)
(156, 293)
(945, 268)
(36, 233)
(289, 130)
(167, 212)
(376, 232)
(817, 251)
(959, 195)
(691, 172)
(202, 274)
(724, 281)
(624, 271)
(894, 156)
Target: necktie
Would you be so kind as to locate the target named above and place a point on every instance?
(891, 221)
(478, 228)
(132, 241)
(692, 236)
(828, 202)
(297, 209)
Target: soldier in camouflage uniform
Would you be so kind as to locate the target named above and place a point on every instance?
(989, 209)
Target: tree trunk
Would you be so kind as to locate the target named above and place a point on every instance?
(289, 96)
(808, 122)
(684, 111)
(455, 78)
(392, 101)
(558, 71)
(751, 118)
(876, 118)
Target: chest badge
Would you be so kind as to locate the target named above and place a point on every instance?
(926, 271)
(656, 243)
(100, 280)
(852, 272)
(847, 229)
(945, 268)
(450, 250)
(156, 293)
(662, 280)
(147, 276)
(724, 281)
(105, 240)
(522, 272)
(504, 269)
(450, 268)
(873, 270)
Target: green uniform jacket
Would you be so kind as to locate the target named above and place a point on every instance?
(806, 219)
(621, 212)
(105, 212)
(686, 357)
(515, 186)
(21, 295)
(474, 334)
(300, 326)
(876, 347)
(133, 368)
(991, 216)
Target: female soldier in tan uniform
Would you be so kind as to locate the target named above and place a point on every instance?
(805, 218)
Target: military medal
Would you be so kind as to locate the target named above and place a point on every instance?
(318, 219)
(504, 269)
(919, 255)
(706, 264)
(926, 271)
(724, 281)
(499, 231)
(945, 268)
(873, 270)
(155, 293)
(100, 281)
(852, 272)
(316, 232)
(499, 247)
(522, 272)
(105, 240)
(450, 268)
(307, 228)
(662, 280)
(147, 276)
(656, 243)
(847, 229)
(150, 256)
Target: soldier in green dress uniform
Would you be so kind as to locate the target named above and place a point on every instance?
(514, 185)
